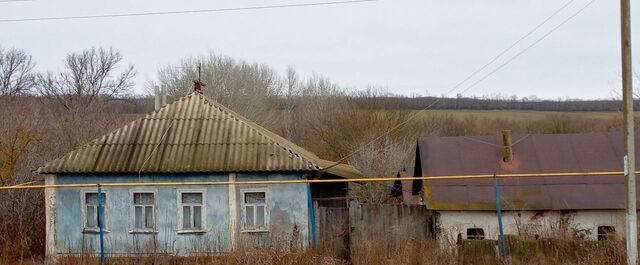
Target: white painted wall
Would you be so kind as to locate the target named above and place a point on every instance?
(542, 223)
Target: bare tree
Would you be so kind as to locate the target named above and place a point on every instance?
(291, 81)
(247, 88)
(16, 76)
(88, 77)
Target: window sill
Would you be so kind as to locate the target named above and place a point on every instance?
(143, 231)
(94, 231)
(194, 231)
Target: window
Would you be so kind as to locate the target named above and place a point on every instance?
(254, 209)
(606, 233)
(191, 207)
(90, 211)
(143, 211)
(475, 233)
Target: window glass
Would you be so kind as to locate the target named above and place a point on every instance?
(606, 233)
(92, 198)
(475, 233)
(191, 197)
(138, 217)
(250, 216)
(186, 217)
(91, 216)
(148, 218)
(143, 198)
(197, 217)
(254, 197)
(259, 216)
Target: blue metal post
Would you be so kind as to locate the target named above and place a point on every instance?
(503, 247)
(101, 224)
(312, 215)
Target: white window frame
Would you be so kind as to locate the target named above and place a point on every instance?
(132, 218)
(265, 228)
(83, 205)
(203, 211)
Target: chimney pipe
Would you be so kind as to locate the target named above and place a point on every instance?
(156, 94)
(507, 151)
(163, 96)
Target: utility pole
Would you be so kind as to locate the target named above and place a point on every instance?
(629, 134)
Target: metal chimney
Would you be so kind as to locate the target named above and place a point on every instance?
(507, 150)
(156, 94)
(160, 97)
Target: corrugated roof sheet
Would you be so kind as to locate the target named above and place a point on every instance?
(192, 134)
(541, 153)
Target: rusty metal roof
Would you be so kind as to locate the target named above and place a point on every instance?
(541, 153)
(192, 134)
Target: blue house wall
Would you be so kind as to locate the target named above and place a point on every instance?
(287, 205)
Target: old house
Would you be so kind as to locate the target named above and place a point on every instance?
(193, 139)
(589, 207)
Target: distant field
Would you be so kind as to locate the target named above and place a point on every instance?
(520, 114)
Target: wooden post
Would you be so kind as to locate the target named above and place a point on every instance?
(629, 134)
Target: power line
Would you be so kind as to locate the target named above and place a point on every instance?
(184, 11)
(511, 46)
(511, 59)
(412, 116)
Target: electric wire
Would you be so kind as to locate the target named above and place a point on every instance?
(511, 59)
(185, 11)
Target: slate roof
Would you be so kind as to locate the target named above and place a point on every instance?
(192, 134)
(540, 153)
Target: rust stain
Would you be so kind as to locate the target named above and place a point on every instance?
(510, 167)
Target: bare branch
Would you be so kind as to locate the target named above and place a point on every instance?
(89, 77)
(16, 75)
(250, 89)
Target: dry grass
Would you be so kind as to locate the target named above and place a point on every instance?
(411, 251)
(259, 257)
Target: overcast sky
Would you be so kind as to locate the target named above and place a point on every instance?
(405, 46)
